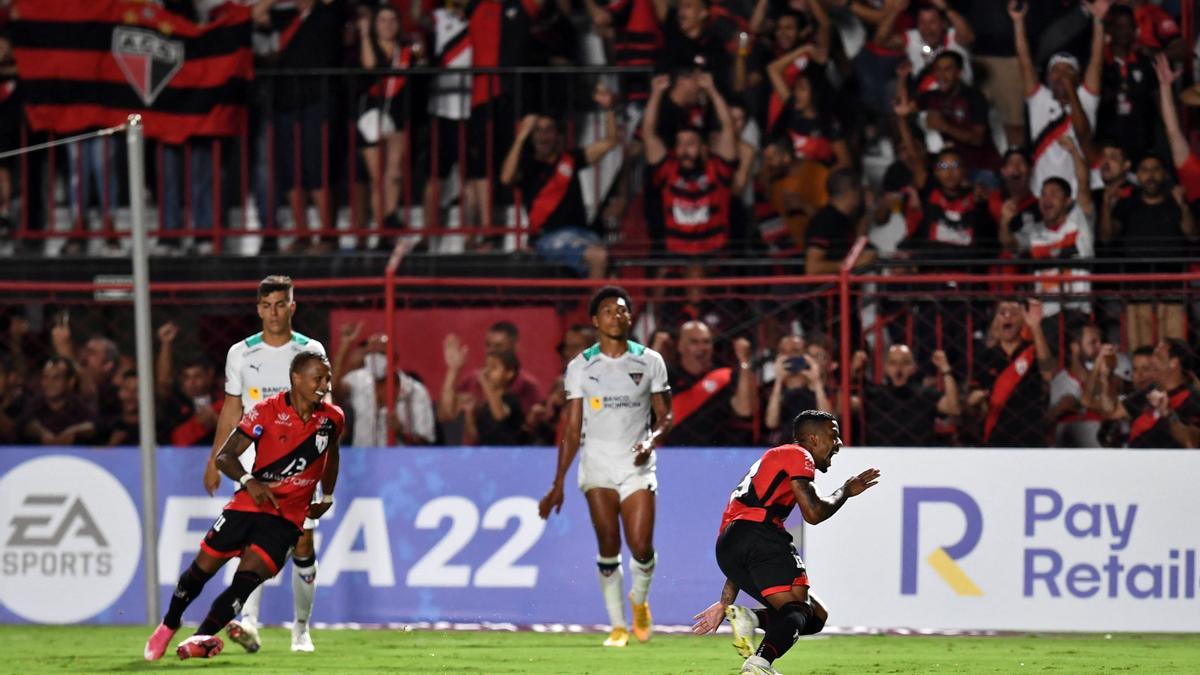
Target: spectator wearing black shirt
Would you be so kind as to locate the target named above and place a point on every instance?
(310, 37)
(808, 120)
(834, 228)
(58, 415)
(799, 385)
(957, 115)
(689, 38)
(123, 429)
(1128, 87)
(1152, 223)
(1167, 415)
(1015, 170)
(497, 419)
(548, 176)
(1008, 385)
(901, 411)
(12, 400)
(711, 405)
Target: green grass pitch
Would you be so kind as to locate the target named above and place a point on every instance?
(87, 649)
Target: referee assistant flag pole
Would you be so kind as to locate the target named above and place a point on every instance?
(134, 137)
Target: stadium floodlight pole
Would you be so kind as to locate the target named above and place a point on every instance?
(135, 141)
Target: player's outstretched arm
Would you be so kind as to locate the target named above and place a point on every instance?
(228, 463)
(815, 509)
(333, 459)
(710, 619)
(566, 454)
(231, 413)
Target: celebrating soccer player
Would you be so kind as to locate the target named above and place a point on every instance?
(755, 552)
(255, 370)
(612, 387)
(296, 434)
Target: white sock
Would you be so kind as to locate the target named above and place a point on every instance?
(612, 585)
(250, 607)
(304, 587)
(642, 574)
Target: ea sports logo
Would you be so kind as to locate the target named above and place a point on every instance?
(70, 539)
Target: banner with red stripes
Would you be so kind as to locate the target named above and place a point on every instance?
(85, 64)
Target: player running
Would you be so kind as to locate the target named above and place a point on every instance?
(296, 434)
(756, 554)
(611, 389)
(255, 370)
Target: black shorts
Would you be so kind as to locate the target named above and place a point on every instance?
(472, 133)
(760, 559)
(269, 537)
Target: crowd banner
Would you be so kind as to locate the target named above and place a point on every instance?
(949, 539)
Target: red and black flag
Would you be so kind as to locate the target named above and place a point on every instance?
(85, 64)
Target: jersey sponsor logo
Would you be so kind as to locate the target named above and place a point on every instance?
(283, 419)
(942, 558)
(636, 377)
(67, 529)
(255, 394)
(596, 403)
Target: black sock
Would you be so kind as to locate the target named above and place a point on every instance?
(788, 625)
(191, 582)
(229, 603)
(764, 616)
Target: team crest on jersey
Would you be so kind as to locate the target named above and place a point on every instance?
(636, 377)
(1022, 365)
(322, 442)
(565, 169)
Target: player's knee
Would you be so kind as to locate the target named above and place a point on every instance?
(244, 583)
(814, 625)
(799, 615)
(643, 554)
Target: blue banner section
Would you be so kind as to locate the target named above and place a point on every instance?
(416, 534)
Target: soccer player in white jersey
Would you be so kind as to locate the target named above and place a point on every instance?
(612, 388)
(256, 369)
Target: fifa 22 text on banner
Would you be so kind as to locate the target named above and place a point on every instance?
(1018, 540)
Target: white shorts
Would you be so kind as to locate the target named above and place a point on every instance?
(621, 476)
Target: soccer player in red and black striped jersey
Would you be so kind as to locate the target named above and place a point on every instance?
(756, 553)
(296, 436)
(548, 176)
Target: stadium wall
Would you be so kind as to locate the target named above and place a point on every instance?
(950, 539)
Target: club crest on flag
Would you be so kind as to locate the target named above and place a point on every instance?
(147, 59)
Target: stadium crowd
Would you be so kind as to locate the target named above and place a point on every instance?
(744, 128)
(59, 390)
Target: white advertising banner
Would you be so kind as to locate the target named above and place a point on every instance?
(1063, 540)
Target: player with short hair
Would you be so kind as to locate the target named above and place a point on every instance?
(612, 388)
(756, 553)
(255, 370)
(295, 434)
